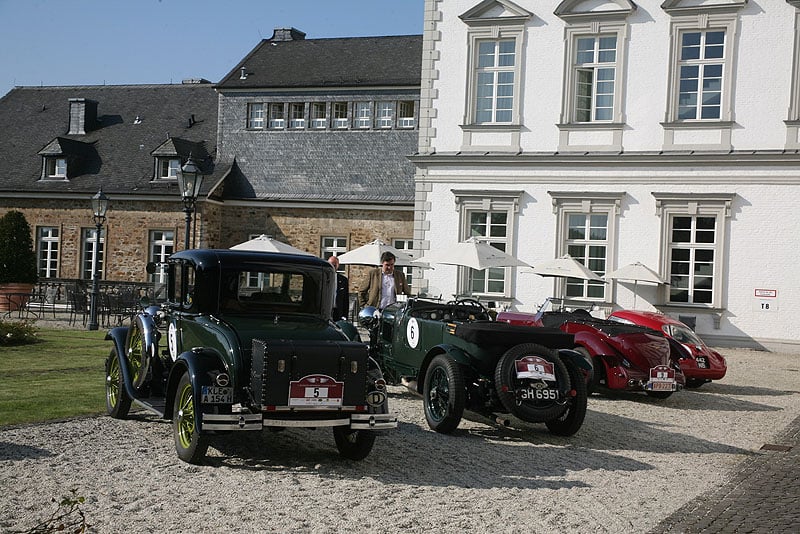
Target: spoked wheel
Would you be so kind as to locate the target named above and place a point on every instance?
(444, 395)
(190, 444)
(118, 403)
(353, 444)
(531, 381)
(138, 353)
(571, 420)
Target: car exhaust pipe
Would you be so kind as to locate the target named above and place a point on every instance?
(502, 421)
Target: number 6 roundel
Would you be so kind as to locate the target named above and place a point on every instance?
(412, 333)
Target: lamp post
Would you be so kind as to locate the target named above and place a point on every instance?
(99, 208)
(189, 181)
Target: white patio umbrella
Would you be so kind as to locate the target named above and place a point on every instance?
(265, 243)
(370, 254)
(566, 267)
(472, 253)
(636, 272)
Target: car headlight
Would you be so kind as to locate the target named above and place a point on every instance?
(369, 316)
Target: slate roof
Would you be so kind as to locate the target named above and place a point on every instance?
(343, 62)
(118, 154)
(346, 166)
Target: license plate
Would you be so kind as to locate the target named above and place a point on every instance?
(662, 378)
(702, 363)
(216, 395)
(316, 390)
(661, 386)
(537, 394)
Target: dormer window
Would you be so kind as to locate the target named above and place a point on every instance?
(56, 168)
(168, 168)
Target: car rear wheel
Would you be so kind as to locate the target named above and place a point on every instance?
(190, 444)
(571, 420)
(353, 444)
(444, 396)
(118, 403)
(535, 400)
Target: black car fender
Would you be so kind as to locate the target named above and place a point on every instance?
(576, 358)
(202, 364)
(119, 336)
(455, 353)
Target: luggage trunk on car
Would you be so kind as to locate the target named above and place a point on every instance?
(308, 375)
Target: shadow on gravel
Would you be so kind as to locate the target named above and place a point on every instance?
(694, 400)
(729, 389)
(15, 452)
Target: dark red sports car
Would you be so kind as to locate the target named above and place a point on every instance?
(698, 362)
(623, 356)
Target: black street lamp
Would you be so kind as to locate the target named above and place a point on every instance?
(190, 179)
(99, 208)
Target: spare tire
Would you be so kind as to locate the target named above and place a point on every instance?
(537, 392)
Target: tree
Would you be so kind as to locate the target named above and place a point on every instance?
(17, 257)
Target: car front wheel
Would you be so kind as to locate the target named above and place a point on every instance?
(571, 420)
(118, 403)
(444, 396)
(353, 444)
(190, 444)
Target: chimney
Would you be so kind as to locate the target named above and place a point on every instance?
(82, 115)
(287, 34)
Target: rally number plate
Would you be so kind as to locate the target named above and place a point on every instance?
(662, 378)
(316, 390)
(216, 395)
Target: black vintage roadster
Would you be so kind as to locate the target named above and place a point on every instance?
(459, 359)
(243, 342)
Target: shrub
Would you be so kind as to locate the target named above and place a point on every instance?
(17, 256)
(17, 333)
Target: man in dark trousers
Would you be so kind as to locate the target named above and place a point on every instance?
(341, 302)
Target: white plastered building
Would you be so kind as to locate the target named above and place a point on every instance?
(617, 132)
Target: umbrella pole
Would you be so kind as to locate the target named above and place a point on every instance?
(635, 292)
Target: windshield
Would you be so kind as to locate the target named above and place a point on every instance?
(271, 289)
(681, 334)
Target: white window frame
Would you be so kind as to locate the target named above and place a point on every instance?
(48, 238)
(362, 113)
(406, 244)
(255, 115)
(297, 115)
(406, 114)
(318, 115)
(385, 114)
(594, 66)
(793, 120)
(566, 203)
(468, 202)
(496, 70)
(340, 116)
(277, 115)
(717, 205)
(168, 168)
(91, 246)
(332, 246)
(701, 20)
(55, 167)
(161, 244)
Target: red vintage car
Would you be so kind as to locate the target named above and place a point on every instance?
(623, 356)
(698, 362)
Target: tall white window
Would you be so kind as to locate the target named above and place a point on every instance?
(48, 251)
(363, 114)
(587, 242)
(277, 115)
(595, 78)
(168, 168)
(692, 250)
(492, 227)
(297, 115)
(495, 71)
(92, 246)
(385, 114)
(318, 117)
(162, 244)
(701, 69)
(255, 115)
(339, 111)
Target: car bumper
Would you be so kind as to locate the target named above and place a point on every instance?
(246, 421)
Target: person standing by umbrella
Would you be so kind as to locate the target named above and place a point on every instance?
(384, 283)
(341, 301)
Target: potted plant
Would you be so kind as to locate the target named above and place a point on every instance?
(18, 272)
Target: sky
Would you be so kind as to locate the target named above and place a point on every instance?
(117, 42)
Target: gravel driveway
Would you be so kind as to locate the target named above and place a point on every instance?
(635, 461)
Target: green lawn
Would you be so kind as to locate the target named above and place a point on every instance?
(60, 376)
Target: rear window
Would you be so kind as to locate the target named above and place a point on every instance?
(271, 290)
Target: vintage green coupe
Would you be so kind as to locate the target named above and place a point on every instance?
(459, 359)
(249, 345)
